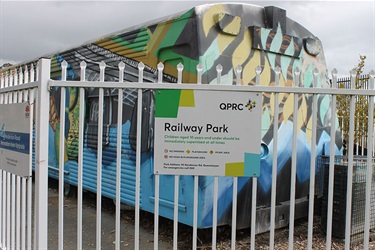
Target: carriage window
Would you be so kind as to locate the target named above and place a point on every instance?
(94, 111)
(93, 118)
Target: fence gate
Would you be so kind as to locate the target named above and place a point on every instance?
(25, 85)
(24, 199)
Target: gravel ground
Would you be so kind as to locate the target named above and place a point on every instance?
(204, 239)
(243, 236)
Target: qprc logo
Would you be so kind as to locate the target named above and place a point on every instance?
(250, 105)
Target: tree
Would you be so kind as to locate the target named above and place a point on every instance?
(361, 106)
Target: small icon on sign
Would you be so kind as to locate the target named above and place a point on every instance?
(188, 151)
(2, 131)
(212, 152)
(250, 104)
(27, 111)
(165, 150)
(165, 156)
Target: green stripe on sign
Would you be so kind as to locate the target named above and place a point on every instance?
(167, 103)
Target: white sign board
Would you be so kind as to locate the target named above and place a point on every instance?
(211, 133)
(15, 127)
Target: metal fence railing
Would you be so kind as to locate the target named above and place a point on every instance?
(357, 219)
(17, 205)
(119, 159)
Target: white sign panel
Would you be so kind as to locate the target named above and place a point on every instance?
(211, 133)
(15, 127)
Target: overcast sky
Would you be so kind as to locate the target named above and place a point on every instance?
(31, 29)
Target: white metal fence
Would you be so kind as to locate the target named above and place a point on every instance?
(16, 208)
(27, 85)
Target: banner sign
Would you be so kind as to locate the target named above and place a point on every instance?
(211, 133)
(15, 129)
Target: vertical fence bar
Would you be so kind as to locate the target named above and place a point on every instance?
(235, 182)
(32, 73)
(121, 68)
(23, 214)
(1, 208)
(26, 92)
(41, 158)
(180, 67)
(331, 170)
(234, 213)
(10, 94)
(1, 178)
(195, 215)
(2, 80)
(356, 142)
(15, 93)
(312, 163)
(13, 183)
(30, 98)
(258, 71)
(175, 211)
(138, 158)
(8, 211)
(102, 67)
(238, 75)
(20, 192)
(80, 155)
(7, 181)
(13, 212)
(349, 188)
(21, 98)
(214, 212)
(29, 95)
(64, 66)
(160, 67)
(195, 204)
(138, 165)
(2, 187)
(363, 143)
(26, 75)
(294, 161)
(274, 160)
(369, 164)
(6, 84)
(156, 212)
(219, 69)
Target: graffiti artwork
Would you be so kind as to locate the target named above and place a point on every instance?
(227, 34)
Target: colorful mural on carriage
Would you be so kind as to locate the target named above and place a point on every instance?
(211, 34)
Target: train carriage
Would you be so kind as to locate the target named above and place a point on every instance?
(229, 34)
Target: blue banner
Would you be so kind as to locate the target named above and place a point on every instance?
(14, 141)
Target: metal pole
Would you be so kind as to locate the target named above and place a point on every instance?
(312, 163)
(350, 163)
(294, 161)
(369, 166)
(41, 158)
(274, 160)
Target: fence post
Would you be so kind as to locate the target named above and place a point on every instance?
(41, 157)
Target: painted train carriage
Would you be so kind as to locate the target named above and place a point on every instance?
(227, 34)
